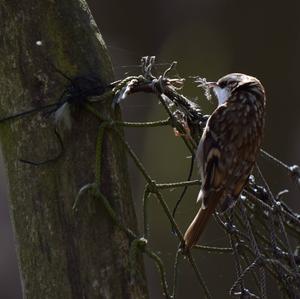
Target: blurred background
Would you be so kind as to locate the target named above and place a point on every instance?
(209, 38)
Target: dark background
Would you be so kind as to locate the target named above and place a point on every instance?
(209, 38)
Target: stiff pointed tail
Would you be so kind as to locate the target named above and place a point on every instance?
(199, 223)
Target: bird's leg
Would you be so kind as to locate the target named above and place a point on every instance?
(186, 133)
(184, 130)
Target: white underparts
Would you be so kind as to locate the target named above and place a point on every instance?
(222, 94)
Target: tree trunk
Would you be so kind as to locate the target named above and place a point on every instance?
(62, 254)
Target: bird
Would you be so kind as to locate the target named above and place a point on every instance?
(228, 148)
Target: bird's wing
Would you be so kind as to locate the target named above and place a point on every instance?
(218, 165)
(234, 136)
(210, 157)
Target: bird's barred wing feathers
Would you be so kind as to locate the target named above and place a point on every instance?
(211, 174)
(227, 154)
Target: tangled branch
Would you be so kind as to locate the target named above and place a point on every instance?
(261, 226)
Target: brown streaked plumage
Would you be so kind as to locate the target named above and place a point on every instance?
(228, 148)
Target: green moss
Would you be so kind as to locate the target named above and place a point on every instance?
(7, 142)
(57, 46)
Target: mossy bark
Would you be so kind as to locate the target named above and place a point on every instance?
(62, 254)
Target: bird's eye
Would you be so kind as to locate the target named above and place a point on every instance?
(232, 84)
(222, 84)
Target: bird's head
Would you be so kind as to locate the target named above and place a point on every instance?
(231, 83)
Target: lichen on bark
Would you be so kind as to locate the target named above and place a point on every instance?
(62, 254)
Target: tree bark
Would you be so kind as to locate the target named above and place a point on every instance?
(62, 254)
